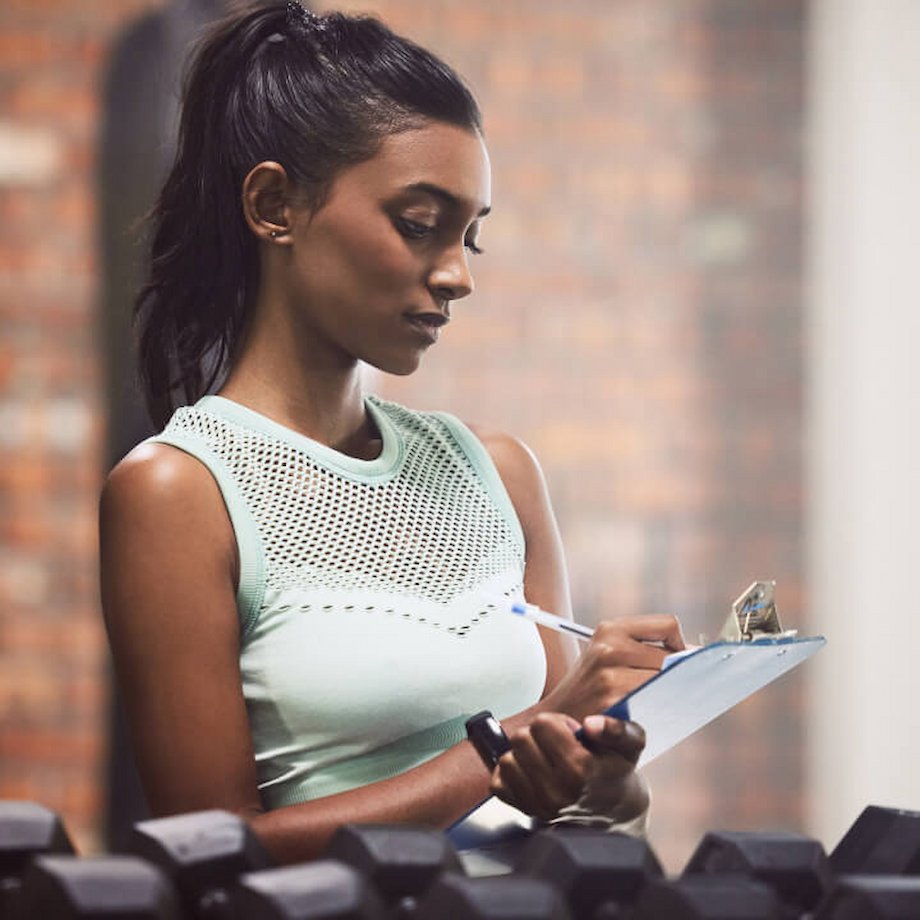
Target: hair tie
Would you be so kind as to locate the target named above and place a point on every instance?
(298, 14)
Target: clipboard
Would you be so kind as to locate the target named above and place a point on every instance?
(700, 686)
(693, 688)
(697, 686)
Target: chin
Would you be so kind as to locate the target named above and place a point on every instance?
(398, 367)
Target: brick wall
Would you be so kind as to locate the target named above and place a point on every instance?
(636, 321)
(52, 665)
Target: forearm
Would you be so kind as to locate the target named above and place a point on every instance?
(436, 794)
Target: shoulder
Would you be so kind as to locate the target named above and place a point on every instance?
(162, 511)
(511, 456)
(155, 468)
(156, 482)
(517, 465)
(514, 460)
(520, 473)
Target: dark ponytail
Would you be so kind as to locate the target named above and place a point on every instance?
(275, 82)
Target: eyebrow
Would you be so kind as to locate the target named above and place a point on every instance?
(438, 192)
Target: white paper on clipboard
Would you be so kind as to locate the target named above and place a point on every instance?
(700, 686)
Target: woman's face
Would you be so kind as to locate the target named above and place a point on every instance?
(373, 272)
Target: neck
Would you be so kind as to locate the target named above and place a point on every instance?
(310, 394)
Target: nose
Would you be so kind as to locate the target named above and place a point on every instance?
(450, 277)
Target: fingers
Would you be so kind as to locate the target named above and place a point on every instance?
(639, 641)
(619, 658)
(545, 769)
(550, 755)
(665, 628)
(652, 627)
(629, 679)
(613, 735)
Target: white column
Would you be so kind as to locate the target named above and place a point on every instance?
(863, 720)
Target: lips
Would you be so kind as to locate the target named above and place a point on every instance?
(428, 324)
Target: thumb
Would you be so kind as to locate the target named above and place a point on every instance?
(604, 733)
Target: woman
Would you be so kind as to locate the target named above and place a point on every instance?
(301, 582)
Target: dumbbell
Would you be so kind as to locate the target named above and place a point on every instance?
(27, 830)
(794, 866)
(322, 890)
(400, 861)
(589, 867)
(501, 897)
(881, 841)
(202, 853)
(879, 897)
(381, 872)
(705, 897)
(877, 862)
(95, 888)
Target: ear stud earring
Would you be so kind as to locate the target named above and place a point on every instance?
(274, 234)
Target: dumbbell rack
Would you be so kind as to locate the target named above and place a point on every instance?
(209, 866)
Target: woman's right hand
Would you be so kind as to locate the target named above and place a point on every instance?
(547, 769)
(620, 657)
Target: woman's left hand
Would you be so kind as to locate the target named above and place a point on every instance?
(548, 768)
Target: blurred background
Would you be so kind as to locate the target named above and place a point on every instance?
(699, 304)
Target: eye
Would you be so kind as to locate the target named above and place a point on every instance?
(416, 230)
(412, 229)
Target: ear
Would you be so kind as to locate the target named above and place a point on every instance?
(267, 195)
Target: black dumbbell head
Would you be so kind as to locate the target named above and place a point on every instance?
(589, 866)
(500, 897)
(26, 830)
(610, 910)
(881, 841)
(97, 888)
(795, 867)
(398, 860)
(203, 853)
(322, 890)
(872, 897)
(704, 897)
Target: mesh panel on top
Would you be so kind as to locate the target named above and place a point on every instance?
(428, 529)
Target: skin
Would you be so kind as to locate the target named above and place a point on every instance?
(370, 276)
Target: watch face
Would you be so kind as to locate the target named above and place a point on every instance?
(488, 737)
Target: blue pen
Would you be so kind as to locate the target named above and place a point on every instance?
(551, 620)
(584, 633)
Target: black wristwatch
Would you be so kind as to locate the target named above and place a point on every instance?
(488, 737)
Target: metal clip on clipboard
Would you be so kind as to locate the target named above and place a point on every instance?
(698, 684)
(754, 616)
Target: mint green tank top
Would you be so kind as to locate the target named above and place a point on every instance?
(368, 594)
